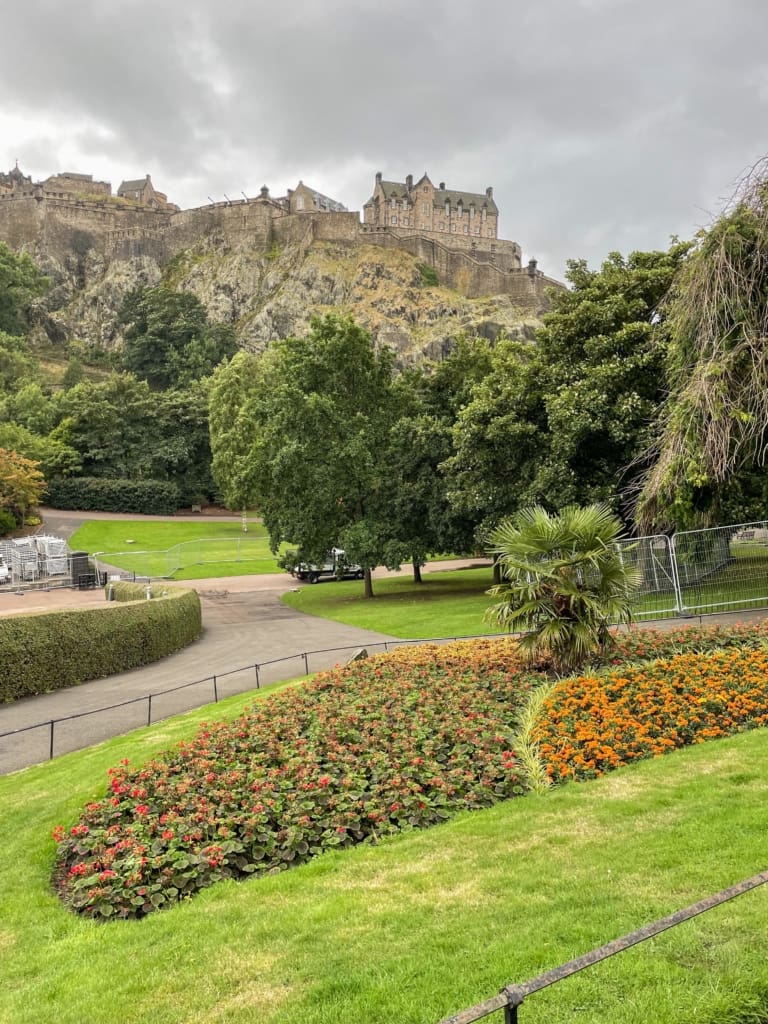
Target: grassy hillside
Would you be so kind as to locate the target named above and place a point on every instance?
(422, 925)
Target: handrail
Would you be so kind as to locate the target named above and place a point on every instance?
(256, 667)
(512, 996)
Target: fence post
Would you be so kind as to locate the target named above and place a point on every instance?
(215, 691)
(679, 606)
(149, 709)
(257, 676)
(306, 664)
(50, 748)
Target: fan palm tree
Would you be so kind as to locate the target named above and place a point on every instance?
(564, 581)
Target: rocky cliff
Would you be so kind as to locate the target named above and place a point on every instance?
(266, 296)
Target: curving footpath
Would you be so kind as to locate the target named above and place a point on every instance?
(244, 624)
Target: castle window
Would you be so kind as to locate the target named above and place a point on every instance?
(490, 232)
(300, 202)
(442, 225)
(426, 188)
(393, 220)
(477, 231)
(425, 209)
(453, 227)
(466, 229)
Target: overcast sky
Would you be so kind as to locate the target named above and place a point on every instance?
(601, 124)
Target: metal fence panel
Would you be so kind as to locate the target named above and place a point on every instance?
(723, 568)
(653, 557)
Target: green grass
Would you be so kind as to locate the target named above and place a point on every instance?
(447, 603)
(149, 548)
(422, 925)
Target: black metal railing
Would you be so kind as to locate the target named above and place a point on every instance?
(511, 997)
(256, 681)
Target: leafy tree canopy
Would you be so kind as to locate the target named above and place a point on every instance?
(304, 440)
(557, 422)
(713, 431)
(169, 340)
(21, 484)
(20, 283)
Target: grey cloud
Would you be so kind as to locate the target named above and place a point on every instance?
(602, 124)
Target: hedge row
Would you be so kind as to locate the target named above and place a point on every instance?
(93, 494)
(125, 590)
(54, 650)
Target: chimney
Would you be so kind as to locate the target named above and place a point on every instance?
(489, 192)
(532, 265)
(264, 192)
(409, 181)
(442, 186)
(378, 177)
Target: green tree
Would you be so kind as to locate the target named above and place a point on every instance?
(317, 415)
(17, 364)
(564, 582)
(712, 435)
(53, 456)
(119, 427)
(169, 340)
(21, 484)
(559, 421)
(499, 440)
(420, 516)
(20, 283)
(237, 402)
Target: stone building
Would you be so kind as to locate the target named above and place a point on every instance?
(422, 207)
(76, 184)
(14, 179)
(141, 190)
(304, 199)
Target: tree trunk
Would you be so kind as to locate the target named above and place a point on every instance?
(417, 572)
(496, 573)
(368, 583)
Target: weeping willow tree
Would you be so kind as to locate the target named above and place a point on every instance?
(714, 424)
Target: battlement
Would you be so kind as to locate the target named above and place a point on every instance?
(453, 232)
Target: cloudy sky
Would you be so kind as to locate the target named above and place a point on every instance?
(601, 124)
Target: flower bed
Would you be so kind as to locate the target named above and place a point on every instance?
(592, 724)
(395, 742)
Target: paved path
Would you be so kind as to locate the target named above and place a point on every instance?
(241, 628)
(244, 624)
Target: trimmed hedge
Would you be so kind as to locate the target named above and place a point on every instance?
(54, 650)
(126, 590)
(94, 494)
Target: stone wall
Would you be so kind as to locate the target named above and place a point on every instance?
(44, 223)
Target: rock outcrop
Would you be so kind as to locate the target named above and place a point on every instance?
(272, 295)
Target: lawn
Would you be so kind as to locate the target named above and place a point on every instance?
(184, 550)
(422, 925)
(448, 603)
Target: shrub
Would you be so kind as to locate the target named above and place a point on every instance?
(394, 742)
(50, 651)
(7, 522)
(147, 497)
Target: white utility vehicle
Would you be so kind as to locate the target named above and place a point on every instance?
(335, 567)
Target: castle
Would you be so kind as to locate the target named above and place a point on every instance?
(454, 232)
